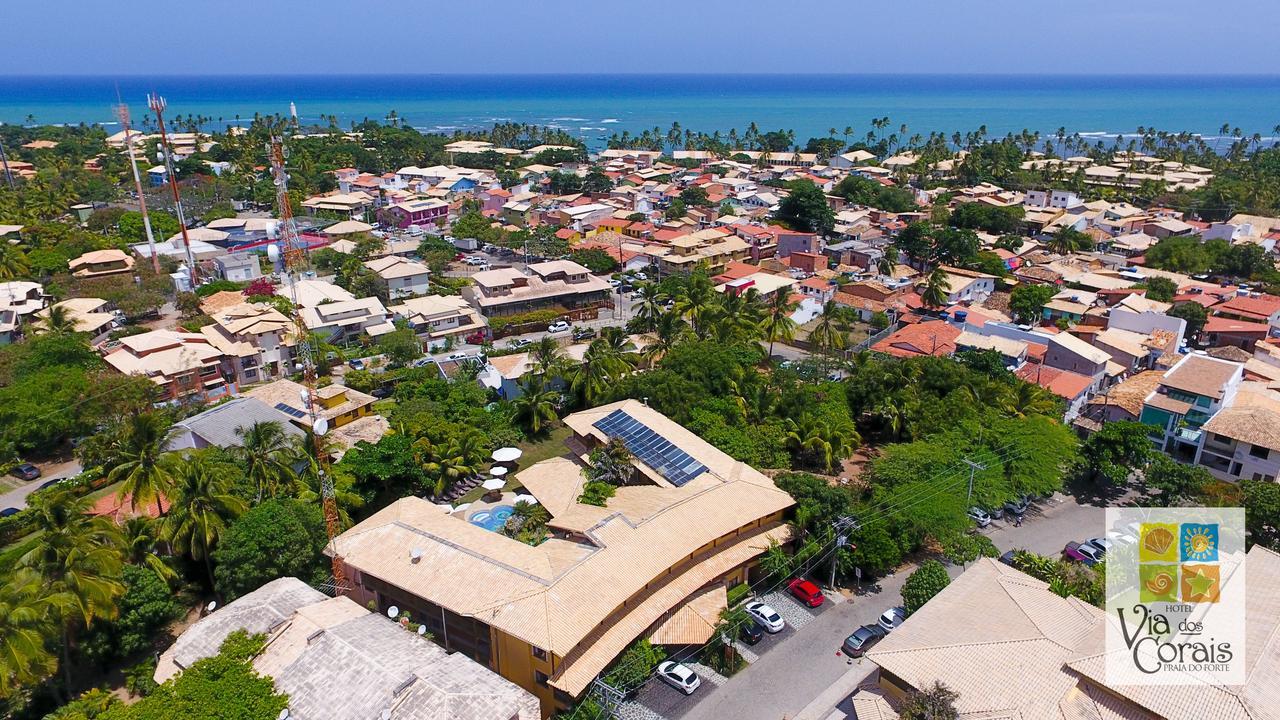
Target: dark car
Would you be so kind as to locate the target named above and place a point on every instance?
(583, 333)
(9, 511)
(1017, 506)
(862, 639)
(751, 632)
(382, 392)
(1007, 557)
(356, 364)
(50, 483)
(25, 471)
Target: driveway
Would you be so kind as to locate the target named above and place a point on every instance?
(804, 677)
(17, 498)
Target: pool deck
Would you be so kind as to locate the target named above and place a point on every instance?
(508, 498)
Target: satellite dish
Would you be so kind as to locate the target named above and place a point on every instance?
(393, 611)
(284, 714)
(273, 252)
(386, 715)
(320, 426)
(213, 605)
(415, 554)
(422, 629)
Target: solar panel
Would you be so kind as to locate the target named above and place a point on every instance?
(290, 410)
(650, 448)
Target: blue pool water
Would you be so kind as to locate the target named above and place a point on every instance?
(492, 519)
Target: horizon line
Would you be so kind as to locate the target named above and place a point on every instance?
(637, 73)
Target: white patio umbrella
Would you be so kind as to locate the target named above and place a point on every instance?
(507, 454)
(498, 471)
(445, 507)
(494, 484)
(527, 499)
(462, 507)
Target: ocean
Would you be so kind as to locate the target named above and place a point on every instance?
(595, 106)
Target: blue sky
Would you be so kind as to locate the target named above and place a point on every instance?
(659, 36)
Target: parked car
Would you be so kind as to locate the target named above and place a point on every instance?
(766, 616)
(996, 513)
(421, 362)
(979, 516)
(9, 511)
(356, 364)
(519, 343)
(806, 592)
(679, 676)
(25, 471)
(558, 326)
(50, 483)
(751, 632)
(1082, 552)
(1007, 557)
(476, 338)
(457, 356)
(475, 260)
(892, 618)
(1018, 506)
(1101, 543)
(584, 333)
(615, 282)
(862, 639)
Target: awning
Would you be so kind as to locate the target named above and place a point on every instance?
(693, 622)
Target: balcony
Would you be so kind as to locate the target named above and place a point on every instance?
(1189, 434)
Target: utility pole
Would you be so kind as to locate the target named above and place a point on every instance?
(843, 525)
(122, 112)
(157, 105)
(973, 467)
(4, 160)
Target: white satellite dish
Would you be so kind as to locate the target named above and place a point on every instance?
(386, 715)
(392, 612)
(273, 253)
(422, 629)
(320, 426)
(284, 714)
(213, 605)
(415, 554)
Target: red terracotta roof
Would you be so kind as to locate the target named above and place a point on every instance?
(927, 338)
(1260, 308)
(1218, 324)
(1063, 383)
(121, 509)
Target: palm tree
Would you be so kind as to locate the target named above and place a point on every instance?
(738, 317)
(139, 538)
(27, 614)
(829, 334)
(607, 359)
(59, 320)
(649, 307)
(535, 409)
(143, 471)
(697, 302)
(827, 442)
(885, 264)
(203, 505)
(264, 455)
(778, 324)
(449, 461)
(548, 360)
(669, 331)
(1027, 399)
(936, 288)
(78, 561)
(13, 262)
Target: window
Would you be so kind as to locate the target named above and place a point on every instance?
(540, 677)
(1259, 452)
(540, 653)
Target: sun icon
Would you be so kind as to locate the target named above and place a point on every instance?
(1199, 542)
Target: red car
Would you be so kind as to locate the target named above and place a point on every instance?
(476, 338)
(806, 592)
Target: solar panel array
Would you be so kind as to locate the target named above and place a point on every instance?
(651, 448)
(290, 410)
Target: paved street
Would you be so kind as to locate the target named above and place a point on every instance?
(17, 498)
(785, 681)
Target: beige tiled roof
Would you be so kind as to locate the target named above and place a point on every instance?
(1201, 375)
(694, 621)
(1253, 417)
(1131, 393)
(554, 596)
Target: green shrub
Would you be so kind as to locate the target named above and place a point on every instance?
(596, 492)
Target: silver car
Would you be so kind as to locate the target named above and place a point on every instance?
(892, 618)
(679, 677)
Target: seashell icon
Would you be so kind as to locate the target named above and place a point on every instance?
(1158, 541)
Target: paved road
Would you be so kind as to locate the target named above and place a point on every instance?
(785, 681)
(17, 498)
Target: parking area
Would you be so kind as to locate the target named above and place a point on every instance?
(659, 700)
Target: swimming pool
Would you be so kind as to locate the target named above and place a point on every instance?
(492, 519)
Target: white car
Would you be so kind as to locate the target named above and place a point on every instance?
(980, 516)
(1092, 553)
(558, 326)
(475, 260)
(768, 618)
(679, 677)
(892, 618)
(1103, 544)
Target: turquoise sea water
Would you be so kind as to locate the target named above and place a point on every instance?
(594, 105)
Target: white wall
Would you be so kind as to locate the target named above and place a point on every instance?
(1146, 322)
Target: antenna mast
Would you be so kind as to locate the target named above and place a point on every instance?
(157, 105)
(296, 262)
(122, 112)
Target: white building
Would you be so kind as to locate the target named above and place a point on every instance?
(404, 278)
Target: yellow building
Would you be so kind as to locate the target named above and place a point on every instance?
(656, 562)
